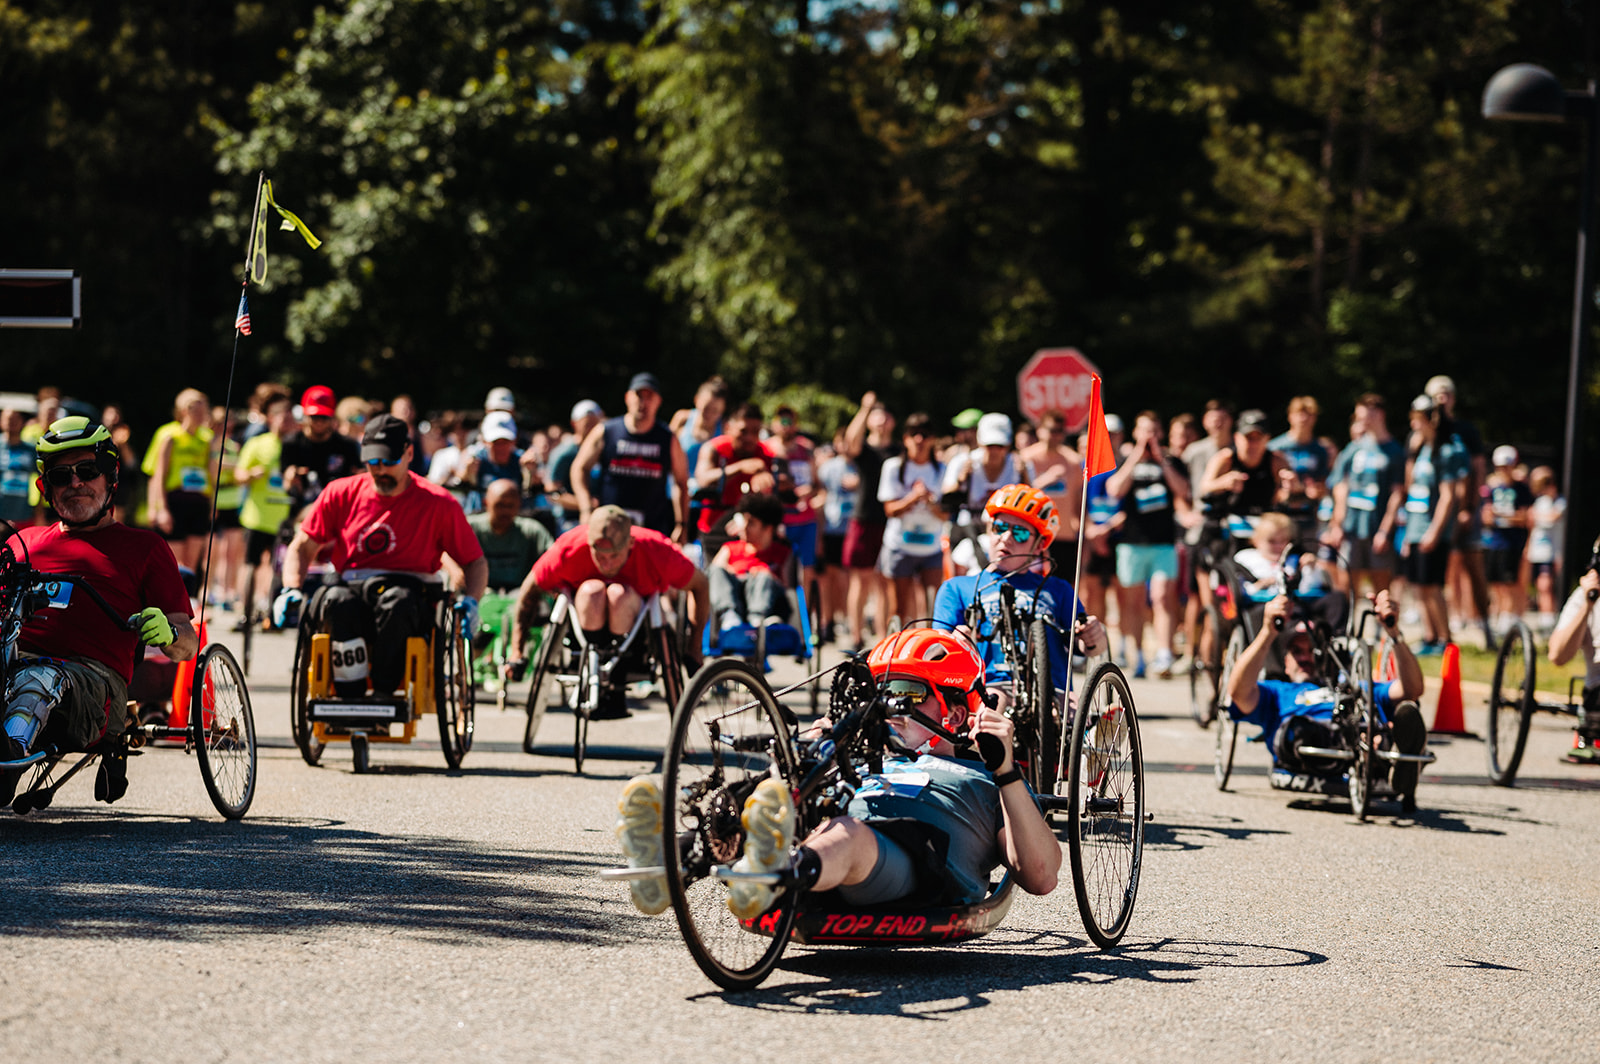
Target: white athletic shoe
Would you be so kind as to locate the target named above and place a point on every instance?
(639, 832)
(769, 836)
(1162, 664)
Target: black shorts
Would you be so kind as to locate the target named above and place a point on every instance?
(832, 551)
(1103, 566)
(191, 514)
(1502, 565)
(227, 519)
(1427, 568)
(256, 544)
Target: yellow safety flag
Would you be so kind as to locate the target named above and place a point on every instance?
(292, 221)
(255, 259)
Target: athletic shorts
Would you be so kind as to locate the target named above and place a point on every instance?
(1138, 563)
(803, 541)
(862, 542)
(911, 866)
(227, 519)
(1502, 565)
(832, 550)
(898, 565)
(1103, 566)
(1468, 536)
(95, 703)
(1364, 559)
(1538, 569)
(256, 544)
(1426, 568)
(191, 514)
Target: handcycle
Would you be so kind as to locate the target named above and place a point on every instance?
(437, 679)
(1514, 699)
(571, 670)
(1224, 580)
(731, 731)
(220, 730)
(801, 640)
(491, 651)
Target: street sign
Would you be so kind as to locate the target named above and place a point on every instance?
(1056, 380)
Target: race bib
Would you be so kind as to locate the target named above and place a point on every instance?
(14, 482)
(59, 593)
(1363, 497)
(1319, 696)
(1417, 501)
(800, 472)
(900, 784)
(276, 496)
(1151, 498)
(191, 478)
(349, 660)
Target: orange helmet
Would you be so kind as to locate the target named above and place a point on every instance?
(1030, 506)
(927, 661)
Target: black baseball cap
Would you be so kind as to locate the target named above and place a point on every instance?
(642, 381)
(384, 439)
(1252, 421)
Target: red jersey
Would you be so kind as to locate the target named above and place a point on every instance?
(743, 557)
(403, 533)
(131, 568)
(733, 483)
(654, 564)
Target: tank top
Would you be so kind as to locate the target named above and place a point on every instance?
(635, 469)
(1259, 490)
(188, 463)
(980, 487)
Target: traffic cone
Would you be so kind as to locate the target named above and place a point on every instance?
(1448, 718)
(182, 685)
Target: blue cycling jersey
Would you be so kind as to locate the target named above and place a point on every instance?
(1054, 597)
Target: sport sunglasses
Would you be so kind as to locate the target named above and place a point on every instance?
(374, 463)
(1019, 534)
(907, 687)
(60, 476)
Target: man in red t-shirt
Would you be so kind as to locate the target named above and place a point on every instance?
(739, 462)
(389, 522)
(746, 576)
(70, 687)
(608, 567)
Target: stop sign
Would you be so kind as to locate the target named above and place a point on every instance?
(1056, 380)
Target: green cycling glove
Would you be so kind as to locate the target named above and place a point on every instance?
(154, 628)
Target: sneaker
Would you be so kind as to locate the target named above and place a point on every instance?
(1163, 664)
(730, 621)
(1578, 755)
(769, 836)
(111, 781)
(1430, 649)
(1138, 668)
(613, 704)
(638, 831)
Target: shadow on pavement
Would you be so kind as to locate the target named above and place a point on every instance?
(104, 875)
(928, 984)
(1177, 837)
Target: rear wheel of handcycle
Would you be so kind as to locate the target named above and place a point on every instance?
(543, 687)
(1105, 812)
(223, 731)
(728, 734)
(300, 695)
(1227, 727)
(453, 691)
(1044, 743)
(584, 702)
(1205, 669)
(669, 663)
(1364, 732)
(1510, 704)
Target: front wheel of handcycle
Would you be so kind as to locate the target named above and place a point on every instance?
(223, 731)
(1364, 731)
(1045, 742)
(1205, 669)
(1105, 812)
(305, 734)
(453, 692)
(728, 734)
(1510, 704)
(1227, 727)
(543, 687)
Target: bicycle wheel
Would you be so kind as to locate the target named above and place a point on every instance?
(728, 734)
(814, 610)
(300, 696)
(224, 731)
(453, 694)
(1105, 812)
(1045, 739)
(670, 663)
(544, 690)
(1205, 669)
(1362, 731)
(1227, 727)
(585, 702)
(1510, 704)
(247, 634)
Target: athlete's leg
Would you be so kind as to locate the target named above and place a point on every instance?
(623, 606)
(589, 604)
(847, 850)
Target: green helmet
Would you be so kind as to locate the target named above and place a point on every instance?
(72, 434)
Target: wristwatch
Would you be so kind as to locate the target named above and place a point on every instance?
(1004, 778)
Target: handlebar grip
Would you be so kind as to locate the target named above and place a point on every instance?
(130, 623)
(1594, 595)
(991, 750)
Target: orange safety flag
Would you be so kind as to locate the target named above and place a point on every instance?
(1098, 457)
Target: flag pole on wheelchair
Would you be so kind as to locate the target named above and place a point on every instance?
(1098, 459)
(255, 269)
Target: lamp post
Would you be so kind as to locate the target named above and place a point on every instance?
(1524, 92)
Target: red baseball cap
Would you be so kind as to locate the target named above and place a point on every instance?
(317, 402)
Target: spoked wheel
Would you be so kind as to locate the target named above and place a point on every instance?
(585, 701)
(1227, 727)
(1105, 826)
(669, 662)
(1510, 704)
(1044, 744)
(728, 734)
(544, 690)
(300, 695)
(224, 731)
(1205, 670)
(247, 634)
(814, 609)
(1364, 730)
(453, 694)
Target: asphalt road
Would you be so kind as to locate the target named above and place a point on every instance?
(417, 914)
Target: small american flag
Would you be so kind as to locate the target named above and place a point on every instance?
(242, 322)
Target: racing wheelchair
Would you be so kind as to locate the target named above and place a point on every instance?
(220, 730)
(732, 730)
(570, 670)
(1514, 699)
(437, 679)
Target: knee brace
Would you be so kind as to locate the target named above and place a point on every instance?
(33, 692)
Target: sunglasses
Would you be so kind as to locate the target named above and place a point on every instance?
(1019, 533)
(907, 687)
(60, 476)
(374, 463)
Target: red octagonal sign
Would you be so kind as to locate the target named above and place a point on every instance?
(1056, 379)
